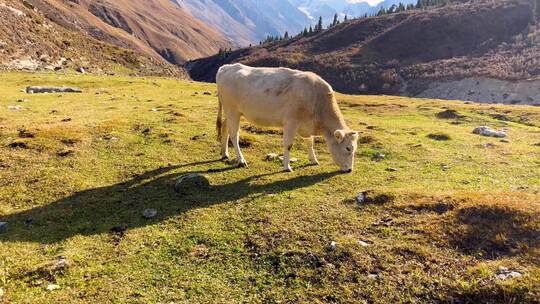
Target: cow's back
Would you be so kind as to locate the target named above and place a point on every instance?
(269, 96)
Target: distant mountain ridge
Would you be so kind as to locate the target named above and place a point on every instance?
(328, 8)
(248, 21)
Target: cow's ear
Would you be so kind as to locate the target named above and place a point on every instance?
(339, 135)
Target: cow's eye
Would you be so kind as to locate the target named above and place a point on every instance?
(349, 149)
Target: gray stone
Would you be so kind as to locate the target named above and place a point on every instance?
(489, 132)
(362, 197)
(191, 183)
(504, 273)
(149, 213)
(332, 246)
(3, 226)
(36, 89)
(379, 156)
(81, 70)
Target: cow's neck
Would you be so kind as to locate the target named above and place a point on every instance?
(332, 121)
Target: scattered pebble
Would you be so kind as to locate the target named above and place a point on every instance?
(373, 276)
(271, 156)
(363, 244)
(207, 93)
(149, 213)
(3, 226)
(391, 169)
(22, 100)
(505, 141)
(362, 197)
(489, 132)
(503, 273)
(15, 108)
(154, 110)
(52, 287)
(378, 156)
(332, 246)
(445, 167)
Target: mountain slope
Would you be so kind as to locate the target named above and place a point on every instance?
(157, 28)
(30, 41)
(248, 21)
(407, 53)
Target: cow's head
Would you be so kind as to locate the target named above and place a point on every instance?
(342, 146)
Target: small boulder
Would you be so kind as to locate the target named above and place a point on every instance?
(191, 183)
(149, 213)
(489, 132)
(504, 273)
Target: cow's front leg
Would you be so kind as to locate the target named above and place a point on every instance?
(289, 132)
(311, 151)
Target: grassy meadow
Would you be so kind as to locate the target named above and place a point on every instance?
(446, 208)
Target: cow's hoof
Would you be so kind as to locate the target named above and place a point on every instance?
(242, 164)
(224, 158)
(289, 170)
(314, 163)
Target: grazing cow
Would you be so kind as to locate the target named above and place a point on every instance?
(300, 102)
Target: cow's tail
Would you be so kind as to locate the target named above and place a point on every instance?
(219, 122)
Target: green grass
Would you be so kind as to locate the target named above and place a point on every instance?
(444, 214)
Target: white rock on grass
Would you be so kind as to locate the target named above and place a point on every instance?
(363, 244)
(15, 108)
(504, 273)
(52, 287)
(489, 132)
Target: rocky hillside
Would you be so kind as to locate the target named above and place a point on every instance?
(31, 41)
(415, 52)
(158, 28)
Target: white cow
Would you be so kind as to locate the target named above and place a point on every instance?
(299, 102)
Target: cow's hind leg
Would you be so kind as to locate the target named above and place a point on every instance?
(289, 131)
(311, 151)
(233, 126)
(224, 140)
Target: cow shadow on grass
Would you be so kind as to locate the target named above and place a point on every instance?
(119, 207)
